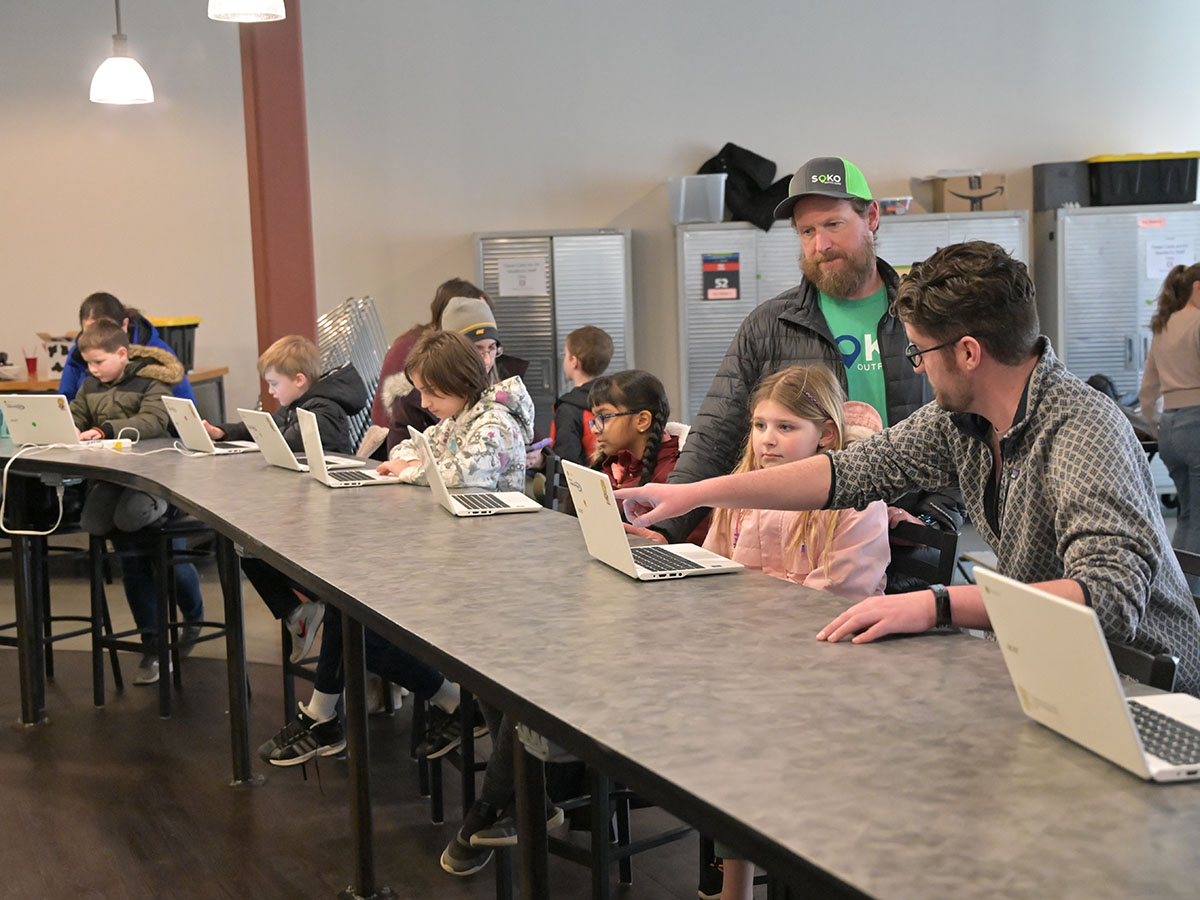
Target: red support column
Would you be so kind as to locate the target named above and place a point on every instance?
(277, 158)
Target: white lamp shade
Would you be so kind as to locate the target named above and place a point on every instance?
(246, 10)
(121, 79)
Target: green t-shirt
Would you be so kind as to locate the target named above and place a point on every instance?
(855, 327)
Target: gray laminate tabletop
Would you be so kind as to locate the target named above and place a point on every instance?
(904, 768)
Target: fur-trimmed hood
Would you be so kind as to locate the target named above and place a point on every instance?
(153, 362)
(510, 394)
(394, 387)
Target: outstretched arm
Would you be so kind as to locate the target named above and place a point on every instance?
(800, 485)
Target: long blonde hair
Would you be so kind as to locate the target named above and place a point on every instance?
(812, 393)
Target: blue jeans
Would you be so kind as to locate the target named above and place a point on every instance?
(1179, 446)
(137, 573)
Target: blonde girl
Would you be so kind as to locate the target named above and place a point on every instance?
(796, 413)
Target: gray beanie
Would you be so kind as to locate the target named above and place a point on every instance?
(470, 317)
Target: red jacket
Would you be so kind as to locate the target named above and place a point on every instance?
(624, 471)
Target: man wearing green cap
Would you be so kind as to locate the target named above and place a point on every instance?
(837, 316)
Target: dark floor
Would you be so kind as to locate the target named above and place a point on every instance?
(116, 803)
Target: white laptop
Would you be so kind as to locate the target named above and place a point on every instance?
(468, 503)
(44, 419)
(1064, 675)
(600, 518)
(193, 434)
(274, 447)
(336, 478)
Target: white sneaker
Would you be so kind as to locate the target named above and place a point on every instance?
(376, 701)
(147, 670)
(303, 624)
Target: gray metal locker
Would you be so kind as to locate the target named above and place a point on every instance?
(572, 278)
(1099, 271)
(769, 264)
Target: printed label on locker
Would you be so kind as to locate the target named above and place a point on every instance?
(722, 275)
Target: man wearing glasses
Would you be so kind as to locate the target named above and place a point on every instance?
(1050, 469)
(838, 316)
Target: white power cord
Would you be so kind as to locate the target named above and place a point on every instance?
(59, 488)
(59, 484)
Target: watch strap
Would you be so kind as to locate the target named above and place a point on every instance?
(941, 602)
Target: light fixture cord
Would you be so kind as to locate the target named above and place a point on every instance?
(117, 4)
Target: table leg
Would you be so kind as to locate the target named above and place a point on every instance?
(235, 660)
(530, 775)
(358, 744)
(30, 648)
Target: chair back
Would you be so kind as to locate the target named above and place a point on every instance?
(351, 334)
(680, 431)
(921, 555)
(1156, 670)
(557, 495)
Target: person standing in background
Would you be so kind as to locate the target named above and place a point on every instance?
(1173, 374)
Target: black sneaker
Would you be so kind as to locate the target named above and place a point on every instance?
(302, 739)
(460, 858)
(443, 732)
(504, 832)
(712, 879)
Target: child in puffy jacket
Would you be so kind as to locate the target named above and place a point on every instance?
(482, 429)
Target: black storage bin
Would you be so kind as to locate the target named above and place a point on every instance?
(1057, 184)
(1143, 181)
(180, 335)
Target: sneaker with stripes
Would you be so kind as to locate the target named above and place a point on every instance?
(302, 739)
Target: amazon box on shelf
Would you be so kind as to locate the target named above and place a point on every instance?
(976, 192)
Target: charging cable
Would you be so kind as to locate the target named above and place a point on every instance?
(54, 479)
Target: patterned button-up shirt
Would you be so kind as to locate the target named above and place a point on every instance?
(1074, 499)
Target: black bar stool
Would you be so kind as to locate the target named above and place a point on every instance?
(169, 640)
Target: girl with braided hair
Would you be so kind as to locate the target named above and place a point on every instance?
(634, 443)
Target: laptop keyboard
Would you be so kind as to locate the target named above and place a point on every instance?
(1165, 737)
(347, 475)
(481, 501)
(657, 559)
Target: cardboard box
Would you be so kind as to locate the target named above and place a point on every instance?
(57, 347)
(969, 193)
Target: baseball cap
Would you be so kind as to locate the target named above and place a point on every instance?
(829, 176)
(470, 317)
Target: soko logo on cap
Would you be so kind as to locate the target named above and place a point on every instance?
(827, 179)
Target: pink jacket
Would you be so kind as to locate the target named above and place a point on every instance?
(854, 568)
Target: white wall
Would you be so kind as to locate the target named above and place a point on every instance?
(147, 202)
(431, 121)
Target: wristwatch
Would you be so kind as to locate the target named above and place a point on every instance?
(941, 601)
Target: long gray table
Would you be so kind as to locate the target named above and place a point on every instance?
(901, 769)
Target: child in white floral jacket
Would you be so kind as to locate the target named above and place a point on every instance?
(482, 430)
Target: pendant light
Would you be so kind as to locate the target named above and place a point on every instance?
(120, 78)
(246, 10)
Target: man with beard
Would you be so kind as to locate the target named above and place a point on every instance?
(1049, 467)
(838, 316)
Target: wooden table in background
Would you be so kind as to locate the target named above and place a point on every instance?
(208, 383)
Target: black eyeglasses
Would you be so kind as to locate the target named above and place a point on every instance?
(597, 423)
(913, 353)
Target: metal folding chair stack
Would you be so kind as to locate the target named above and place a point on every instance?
(352, 334)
